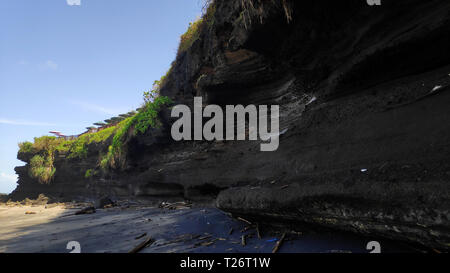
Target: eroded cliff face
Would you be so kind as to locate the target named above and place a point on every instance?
(364, 106)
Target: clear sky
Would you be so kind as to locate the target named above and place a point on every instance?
(65, 64)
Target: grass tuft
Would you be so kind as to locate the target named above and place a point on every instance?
(42, 169)
(196, 27)
(146, 118)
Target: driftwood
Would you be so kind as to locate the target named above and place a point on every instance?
(140, 236)
(244, 220)
(231, 231)
(437, 251)
(174, 206)
(279, 243)
(204, 237)
(207, 243)
(88, 210)
(243, 240)
(257, 231)
(142, 245)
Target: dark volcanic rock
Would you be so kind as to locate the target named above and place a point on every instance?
(104, 202)
(367, 145)
(3, 197)
(88, 210)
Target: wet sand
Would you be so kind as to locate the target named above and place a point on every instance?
(199, 230)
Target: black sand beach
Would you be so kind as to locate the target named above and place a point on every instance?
(196, 230)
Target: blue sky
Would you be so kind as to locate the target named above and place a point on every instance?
(65, 64)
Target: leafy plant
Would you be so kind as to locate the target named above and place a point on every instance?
(147, 117)
(89, 173)
(26, 147)
(41, 168)
(47, 144)
(78, 148)
(115, 150)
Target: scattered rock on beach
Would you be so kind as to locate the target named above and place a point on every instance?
(105, 202)
(88, 210)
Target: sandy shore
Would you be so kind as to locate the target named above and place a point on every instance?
(48, 230)
(14, 220)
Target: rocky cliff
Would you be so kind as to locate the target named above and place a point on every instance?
(364, 109)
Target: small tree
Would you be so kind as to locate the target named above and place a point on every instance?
(150, 96)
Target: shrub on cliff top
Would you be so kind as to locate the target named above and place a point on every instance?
(26, 147)
(191, 35)
(41, 164)
(46, 144)
(44, 148)
(78, 148)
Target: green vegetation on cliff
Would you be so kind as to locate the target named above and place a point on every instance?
(191, 35)
(42, 169)
(42, 156)
(146, 118)
(42, 151)
(195, 28)
(89, 173)
(111, 140)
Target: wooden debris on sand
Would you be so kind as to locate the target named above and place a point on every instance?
(207, 243)
(231, 231)
(243, 240)
(244, 220)
(142, 245)
(176, 205)
(279, 243)
(258, 233)
(140, 236)
(88, 210)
